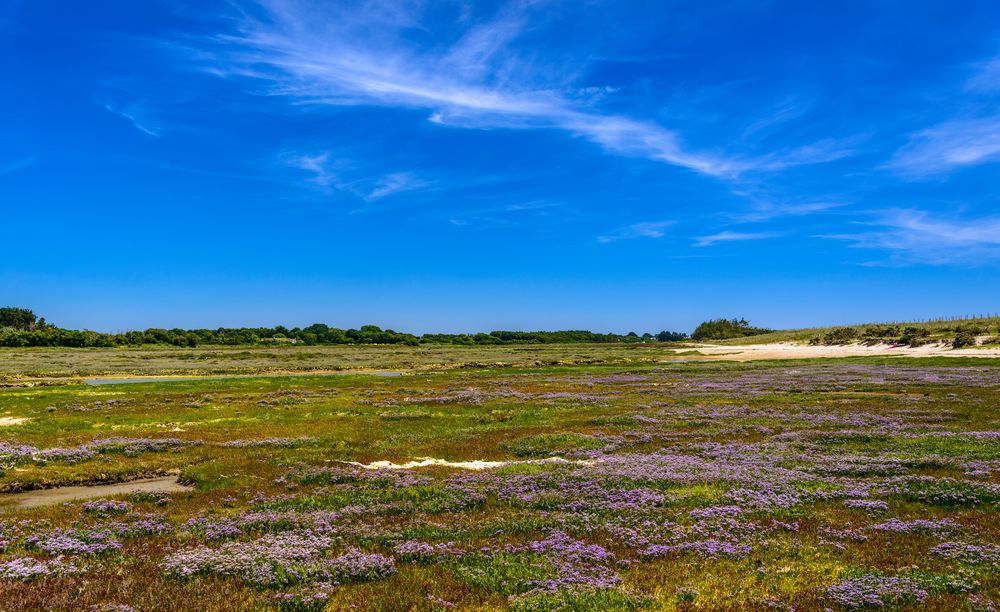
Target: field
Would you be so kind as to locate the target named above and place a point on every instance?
(572, 478)
(47, 365)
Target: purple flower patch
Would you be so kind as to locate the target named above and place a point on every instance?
(875, 591)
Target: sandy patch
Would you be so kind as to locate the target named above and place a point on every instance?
(474, 465)
(8, 421)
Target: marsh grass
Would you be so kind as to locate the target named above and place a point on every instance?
(740, 470)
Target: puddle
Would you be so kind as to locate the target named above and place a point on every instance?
(474, 465)
(162, 379)
(45, 497)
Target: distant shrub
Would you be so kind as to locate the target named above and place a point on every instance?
(880, 333)
(914, 336)
(722, 329)
(669, 336)
(840, 335)
(963, 339)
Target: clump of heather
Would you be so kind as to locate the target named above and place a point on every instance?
(423, 552)
(710, 549)
(104, 507)
(215, 528)
(918, 525)
(355, 565)
(576, 564)
(272, 559)
(74, 541)
(135, 446)
(766, 499)
(980, 603)
(553, 564)
(944, 491)
(968, 553)
(15, 454)
(159, 499)
(137, 524)
(871, 506)
(26, 568)
(875, 591)
(715, 511)
(279, 442)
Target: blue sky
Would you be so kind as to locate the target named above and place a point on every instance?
(467, 166)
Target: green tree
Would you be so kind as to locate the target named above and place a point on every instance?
(722, 329)
(17, 318)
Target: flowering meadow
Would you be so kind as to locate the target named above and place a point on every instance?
(809, 485)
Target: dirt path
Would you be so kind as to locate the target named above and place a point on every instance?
(44, 497)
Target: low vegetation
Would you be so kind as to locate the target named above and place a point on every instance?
(981, 331)
(959, 336)
(840, 485)
(45, 365)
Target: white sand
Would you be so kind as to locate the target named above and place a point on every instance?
(475, 465)
(8, 421)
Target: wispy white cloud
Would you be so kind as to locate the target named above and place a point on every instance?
(533, 214)
(329, 172)
(319, 167)
(986, 78)
(646, 229)
(366, 55)
(787, 111)
(727, 236)
(765, 211)
(135, 115)
(964, 140)
(395, 183)
(821, 152)
(949, 145)
(914, 236)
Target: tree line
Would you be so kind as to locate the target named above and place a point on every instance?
(19, 327)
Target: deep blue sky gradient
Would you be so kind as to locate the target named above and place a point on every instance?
(467, 166)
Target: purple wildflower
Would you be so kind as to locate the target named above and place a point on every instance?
(26, 568)
(877, 591)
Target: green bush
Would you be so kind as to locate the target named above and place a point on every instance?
(963, 339)
(914, 336)
(722, 329)
(840, 335)
(880, 333)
